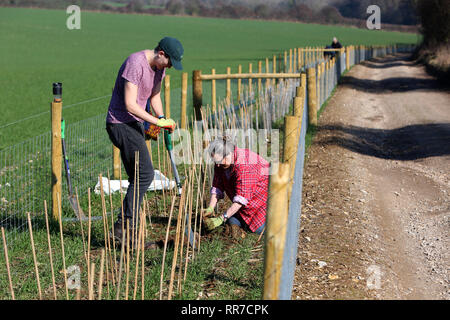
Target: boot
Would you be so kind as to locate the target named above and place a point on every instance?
(119, 233)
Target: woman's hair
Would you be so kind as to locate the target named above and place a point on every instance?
(221, 146)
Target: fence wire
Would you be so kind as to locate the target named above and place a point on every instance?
(25, 168)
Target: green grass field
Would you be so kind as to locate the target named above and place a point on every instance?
(37, 50)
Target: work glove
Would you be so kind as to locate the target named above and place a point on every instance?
(152, 132)
(168, 124)
(208, 211)
(212, 223)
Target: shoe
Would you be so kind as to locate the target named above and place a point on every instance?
(236, 232)
(118, 233)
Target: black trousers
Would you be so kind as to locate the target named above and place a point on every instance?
(129, 138)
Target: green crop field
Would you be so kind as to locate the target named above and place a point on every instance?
(37, 49)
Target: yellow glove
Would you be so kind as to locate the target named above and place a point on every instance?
(212, 223)
(168, 124)
(152, 132)
(208, 211)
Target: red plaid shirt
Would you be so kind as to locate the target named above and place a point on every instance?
(245, 182)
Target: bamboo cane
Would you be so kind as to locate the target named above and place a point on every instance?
(50, 248)
(114, 268)
(142, 261)
(127, 260)
(105, 230)
(175, 254)
(5, 249)
(188, 194)
(62, 248)
(122, 248)
(136, 165)
(89, 236)
(81, 225)
(136, 273)
(189, 224)
(91, 282)
(165, 246)
(36, 270)
(100, 282)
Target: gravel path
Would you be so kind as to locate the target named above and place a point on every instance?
(376, 194)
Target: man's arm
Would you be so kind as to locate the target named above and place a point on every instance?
(155, 101)
(130, 93)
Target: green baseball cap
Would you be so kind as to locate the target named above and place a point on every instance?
(173, 48)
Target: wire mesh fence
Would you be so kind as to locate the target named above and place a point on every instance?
(25, 168)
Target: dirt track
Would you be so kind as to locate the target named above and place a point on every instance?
(376, 194)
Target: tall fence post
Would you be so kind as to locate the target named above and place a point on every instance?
(291, 136)
(197, 91)
(277, 213)
(312, 97)
(347, 58)
(274, 67)
(239, 85)
(259, 80)
(56, 115)
(228, 90)
(184, 86)
(298, 102)
(213, 91)
(300, 58)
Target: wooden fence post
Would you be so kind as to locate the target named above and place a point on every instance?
(167, 95)
(213, 92)
(277, 213)
(347, 58)
(312, 96)
(197, 91)
(318, 88)
(300, 58)
(228, 92)
(56, 115)
(303, 82)
(290, 60)
(239, 84)
(250, 82)
(259, 80)
(291, 136)
(274, 66)
(184, 86)
(298, 102)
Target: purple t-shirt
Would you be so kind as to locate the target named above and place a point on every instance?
(136, 70)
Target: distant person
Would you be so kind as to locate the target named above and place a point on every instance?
(138, 81)
(243, 176)
(336, 44)
(328, 54)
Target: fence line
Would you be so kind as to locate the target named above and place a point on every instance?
(25, 174)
